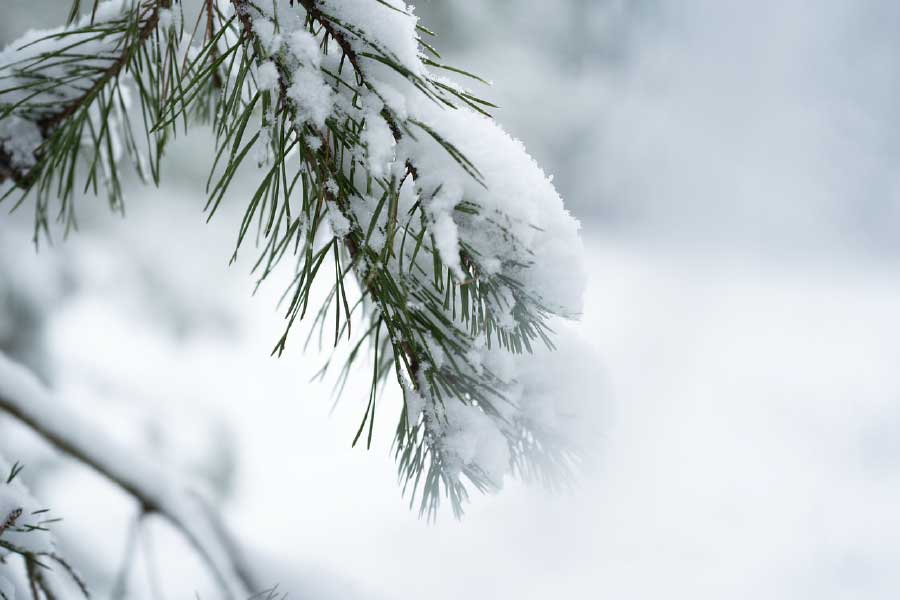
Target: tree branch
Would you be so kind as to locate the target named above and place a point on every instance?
(52, 121)
(24, 398)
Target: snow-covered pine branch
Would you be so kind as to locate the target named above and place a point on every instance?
(64, 99)
(460, 248)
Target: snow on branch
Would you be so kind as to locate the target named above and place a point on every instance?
(452, 252)
(64, 98)
(462, 244)
(158, 491)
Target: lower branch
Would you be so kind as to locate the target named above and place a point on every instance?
(24, 398)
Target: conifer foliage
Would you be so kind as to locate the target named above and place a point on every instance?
(25, 533)
(446, 250)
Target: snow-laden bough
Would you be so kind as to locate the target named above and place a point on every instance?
(452, 252)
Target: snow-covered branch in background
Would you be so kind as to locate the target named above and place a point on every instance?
(155, 489)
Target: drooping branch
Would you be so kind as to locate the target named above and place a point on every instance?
(441, 356)
(462, 270)
(25, 399)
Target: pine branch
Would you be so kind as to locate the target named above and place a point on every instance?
(48, 123)
(413, 309)
(64, 102)
(452, 234)
(150, 22)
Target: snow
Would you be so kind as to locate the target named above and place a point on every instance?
(166, 18)
(340, 225)
(331, 186)
(313, 142)
(264, 29)
(312, 96)
(377, 137)
(267, 76)
(20, 138)
(724, 453)
(440, 208)
(548, 390)
(521, 220)
(474, 440)
(521, 231)
(394, 31)
(305, 48)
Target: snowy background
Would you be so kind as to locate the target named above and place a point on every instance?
(734, 167)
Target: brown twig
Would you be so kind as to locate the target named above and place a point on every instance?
(10, 520)
(210, 36)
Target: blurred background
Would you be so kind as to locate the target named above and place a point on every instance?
(734, 168)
